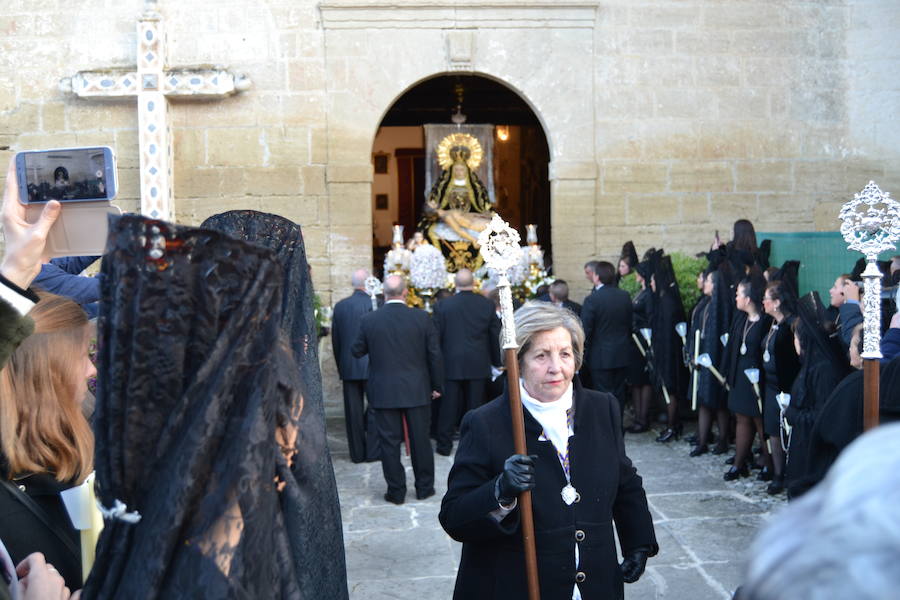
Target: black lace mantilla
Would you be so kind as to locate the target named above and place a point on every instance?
(314, 506)
(198, 410)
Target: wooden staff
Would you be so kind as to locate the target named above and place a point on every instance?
(500, 248)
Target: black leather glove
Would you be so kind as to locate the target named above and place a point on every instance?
(633, 566)
(517, 477)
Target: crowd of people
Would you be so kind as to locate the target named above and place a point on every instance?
(205, 445)
(207, 434)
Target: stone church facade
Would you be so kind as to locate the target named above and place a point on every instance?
(665, 120)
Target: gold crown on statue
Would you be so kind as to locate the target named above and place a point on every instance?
(459, 146)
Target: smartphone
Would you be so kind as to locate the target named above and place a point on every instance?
(84, 180)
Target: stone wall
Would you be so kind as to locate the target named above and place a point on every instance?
(665, 120)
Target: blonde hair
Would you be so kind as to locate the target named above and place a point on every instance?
(535, 316)
(42, 428)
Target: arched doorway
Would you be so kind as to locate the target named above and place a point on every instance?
(521, 156)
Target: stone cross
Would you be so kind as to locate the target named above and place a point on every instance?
(152, 84)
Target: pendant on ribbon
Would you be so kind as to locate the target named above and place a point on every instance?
(569, 494)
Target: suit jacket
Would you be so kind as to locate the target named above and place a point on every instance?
(491, 567)
(606, 316)
(405, 362)
(344, 330)
(573, 306)
(469, 331)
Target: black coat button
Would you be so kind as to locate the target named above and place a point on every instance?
(580, 577)
(579, 536)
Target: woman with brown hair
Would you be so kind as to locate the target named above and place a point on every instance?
(47, 445)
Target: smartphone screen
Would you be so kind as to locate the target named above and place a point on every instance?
(67, 175)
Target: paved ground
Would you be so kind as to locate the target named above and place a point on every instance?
(703, 525)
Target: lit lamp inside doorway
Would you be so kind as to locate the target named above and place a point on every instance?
(502, 132)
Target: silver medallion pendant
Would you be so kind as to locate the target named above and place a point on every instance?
(568, 494)
(766, 356)
(743, 348)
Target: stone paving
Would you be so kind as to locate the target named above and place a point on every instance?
(703, 524)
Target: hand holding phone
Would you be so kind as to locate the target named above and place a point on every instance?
(84, 181)
(25, 242)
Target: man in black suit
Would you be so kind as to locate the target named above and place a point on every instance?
(470, 343)
(559, 295)
(606, 317)
(362, 434)
(405, 372)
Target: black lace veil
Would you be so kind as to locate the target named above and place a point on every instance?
(312, 498)
(197, 402)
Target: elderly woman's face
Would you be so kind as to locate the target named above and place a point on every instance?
(549, 364)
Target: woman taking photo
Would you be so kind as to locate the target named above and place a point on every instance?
(581, 478)
(47, 445)
(745, 351)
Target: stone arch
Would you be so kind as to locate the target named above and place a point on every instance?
(520, 162)
(518, 92)
(372, 58)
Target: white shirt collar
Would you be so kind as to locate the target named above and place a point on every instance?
(396, 301)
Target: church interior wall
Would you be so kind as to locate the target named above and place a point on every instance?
(387, 140)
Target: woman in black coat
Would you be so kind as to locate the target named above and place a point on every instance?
(47, 444)
(582, 480)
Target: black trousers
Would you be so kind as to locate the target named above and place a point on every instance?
(611, 381)
(459, 397)
(362, 433)
(390, 436)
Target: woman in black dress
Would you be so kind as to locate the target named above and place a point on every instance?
(712, 318)
(780, 365)
(638, 376)
(822, 366)
(667, 348)
(745, 351)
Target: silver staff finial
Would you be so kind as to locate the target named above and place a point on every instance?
(870, 223)
(500, 248)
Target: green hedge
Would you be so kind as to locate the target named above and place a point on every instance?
(686, 269)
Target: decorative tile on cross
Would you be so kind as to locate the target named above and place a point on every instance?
(152, 84)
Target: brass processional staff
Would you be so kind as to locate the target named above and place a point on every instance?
(501, 251)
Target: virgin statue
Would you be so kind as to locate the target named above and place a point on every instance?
(458, 206)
